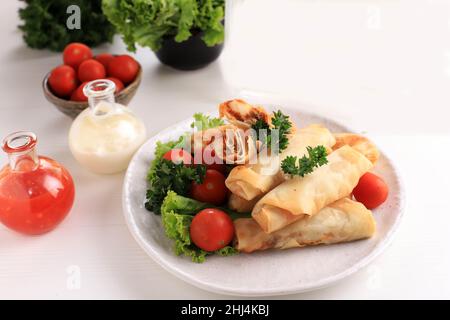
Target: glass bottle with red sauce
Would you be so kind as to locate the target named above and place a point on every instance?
(36, 193)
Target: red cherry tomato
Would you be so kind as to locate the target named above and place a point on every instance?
(119, 84)
(91, 70)
(75, 53)
(371, 190)
(211, 161)
(104, 59)
(63, 80)
(218, 167)
(208, 158)
(78, 94)
(124, 68)
(178, 156)
(211, 229)
(212, 189)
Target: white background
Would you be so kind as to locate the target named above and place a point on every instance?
(380, 66)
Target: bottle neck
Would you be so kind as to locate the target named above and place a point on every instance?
(97, 101)
(100, 95)
(21, 150)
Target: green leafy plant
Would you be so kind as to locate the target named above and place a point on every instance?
(280, 122)
(147, 22)
(165, 175)
(44, 24)
(300, 167)
(203, 122)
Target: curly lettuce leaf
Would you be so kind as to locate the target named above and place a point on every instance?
(203, 122)
(227, 251)
(147, 23)
(177, 213)
(188, 12)
(161, 149)
(210, 20)
(176, 227)
(168, 176)
(182, 205)
(164, 175)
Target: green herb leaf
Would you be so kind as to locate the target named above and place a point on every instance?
(161, 149)
(284, 125)
(316, 157)
(262, 129)
(281, 123)
(227, 251)
(44, 24)
(164, 175)
(203, 122)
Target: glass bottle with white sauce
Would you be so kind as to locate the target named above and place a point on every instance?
(105, 136)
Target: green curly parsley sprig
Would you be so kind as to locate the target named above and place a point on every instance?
(281, 123)
(300, 167)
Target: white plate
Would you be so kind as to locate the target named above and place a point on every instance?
(272, 272)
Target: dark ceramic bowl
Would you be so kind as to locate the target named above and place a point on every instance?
(191, 54)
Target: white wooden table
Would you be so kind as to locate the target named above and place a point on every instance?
(379, 66)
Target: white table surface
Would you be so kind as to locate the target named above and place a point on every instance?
(379, 66)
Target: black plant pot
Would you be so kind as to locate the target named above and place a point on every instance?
(191, 54)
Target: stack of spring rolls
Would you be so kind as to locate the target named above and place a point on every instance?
(299, 211)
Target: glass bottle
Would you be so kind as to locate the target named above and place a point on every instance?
(36, 192)
(105, 136)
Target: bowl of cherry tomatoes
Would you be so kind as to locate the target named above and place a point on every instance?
(63, 86)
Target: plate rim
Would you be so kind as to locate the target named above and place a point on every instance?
(323, 283)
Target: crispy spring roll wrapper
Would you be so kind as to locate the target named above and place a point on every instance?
(342, 221)
(359, 143)
(305, 196)
(241, 205)
(254, 180)
(229, 142)
(241, 113)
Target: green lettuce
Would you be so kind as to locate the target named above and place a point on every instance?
(164, 175)
(177, 213)
(203, 122)
(171, 176)
(161, 149)
(147, 22)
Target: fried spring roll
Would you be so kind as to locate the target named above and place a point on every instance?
(239, 112)
(241, 205)
(298, 197)
(359, 143)
(342, 221)
(254, 180)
